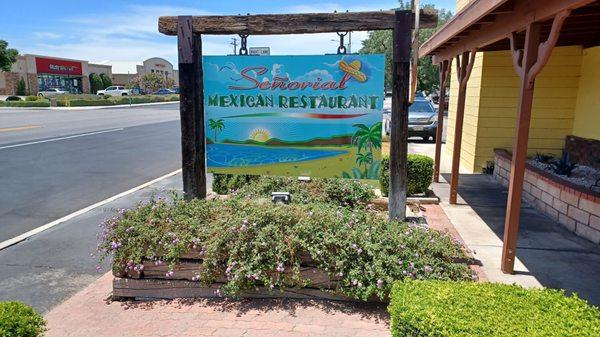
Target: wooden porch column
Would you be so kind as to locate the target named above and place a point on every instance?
(399, 127)
(464, 65)
(444, 76)
(191, 110)
(528, 63)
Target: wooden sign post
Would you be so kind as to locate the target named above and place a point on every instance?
(189, 31)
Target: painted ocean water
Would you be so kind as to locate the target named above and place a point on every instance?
(233, 155)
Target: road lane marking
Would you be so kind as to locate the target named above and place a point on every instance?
(59, 138)
(20, 128)
(49, 225)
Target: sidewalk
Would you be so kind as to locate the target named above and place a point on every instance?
(91, 313)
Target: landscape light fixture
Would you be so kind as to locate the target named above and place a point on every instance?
(281, 197)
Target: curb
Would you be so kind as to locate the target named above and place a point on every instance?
(87, 107)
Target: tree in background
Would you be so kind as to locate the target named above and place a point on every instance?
(106, 81)
(8, 56)
(96, 83)
(151, 82)
(380, 42)
(21, 88)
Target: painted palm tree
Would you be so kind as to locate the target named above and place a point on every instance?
(216, 125)
(367, 137)
(365, 159)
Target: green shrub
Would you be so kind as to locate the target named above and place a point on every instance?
(106, 81)
(342, 192)
(21, 88)
(253, 243)
(20, 320)
(33, 98)
(448, 309)
(226, 183)
(106, 96)
(420, 174)
(95, 83)
(26, 104)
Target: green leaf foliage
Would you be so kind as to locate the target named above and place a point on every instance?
(106, 81)
(420, 174)
(20, 320)
(253, 242)
(8, 56)
(380, 42)
(96, 83)
(467, 309)
(21, 88)
(226, 183)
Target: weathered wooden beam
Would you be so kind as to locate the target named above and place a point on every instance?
(464, 65)
(528, 63)
(445, 68)
(191, 109)
(525, 12)
(273, 24)
(401, 38)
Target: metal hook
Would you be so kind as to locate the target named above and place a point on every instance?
(341, 48)
(243, 49)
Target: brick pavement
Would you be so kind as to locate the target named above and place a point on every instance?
(91, 313)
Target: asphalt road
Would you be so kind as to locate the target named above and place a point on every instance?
(53, 163)
(56, 162)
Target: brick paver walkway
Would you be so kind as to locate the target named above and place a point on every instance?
(91, 313)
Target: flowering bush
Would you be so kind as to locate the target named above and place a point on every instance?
(342, 192)
(252, 243)
(18, 319)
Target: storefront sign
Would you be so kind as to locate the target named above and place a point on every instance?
(314, 116)
(54, 66)
(259, 51)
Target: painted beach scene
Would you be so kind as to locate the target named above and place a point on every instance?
(309, 115)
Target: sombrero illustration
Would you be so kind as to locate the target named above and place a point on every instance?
(353, 69)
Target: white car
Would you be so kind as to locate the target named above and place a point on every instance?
(51, 92)
(114, 91)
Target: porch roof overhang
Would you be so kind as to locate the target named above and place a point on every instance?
(485, 25)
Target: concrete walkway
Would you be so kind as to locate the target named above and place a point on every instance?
(548, 254)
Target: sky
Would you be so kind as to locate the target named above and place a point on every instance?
(124, 33)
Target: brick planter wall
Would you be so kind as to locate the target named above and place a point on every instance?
(573, 206)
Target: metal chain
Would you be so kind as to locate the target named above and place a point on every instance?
(243, 49)
(342, 48)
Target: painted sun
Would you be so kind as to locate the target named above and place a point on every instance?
(260, 135)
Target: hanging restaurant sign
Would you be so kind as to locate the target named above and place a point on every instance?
(316, 116)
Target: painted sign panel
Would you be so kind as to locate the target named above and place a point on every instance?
(316, 116)
(52, 66)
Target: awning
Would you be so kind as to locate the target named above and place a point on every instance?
(486, 24)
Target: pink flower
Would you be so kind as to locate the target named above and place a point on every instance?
(379, 283)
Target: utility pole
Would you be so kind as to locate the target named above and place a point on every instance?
(234, 44)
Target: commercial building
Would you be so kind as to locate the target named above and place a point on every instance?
(155, 65)
(44, 72)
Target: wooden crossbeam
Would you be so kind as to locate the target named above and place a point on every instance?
(273, 24)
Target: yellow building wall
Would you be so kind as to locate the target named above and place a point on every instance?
(493, 98)
(587, 109)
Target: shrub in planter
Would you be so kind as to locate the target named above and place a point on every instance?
(32, 98)
(20, 320)
(448, 309)
(420, 174)
(343, 192)
(26, 104)
(226, 183)
(252, 243)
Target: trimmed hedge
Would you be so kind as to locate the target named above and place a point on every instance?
(26, 104)
(20, 320)
(449, 309)
(420, 174)
(107, 100)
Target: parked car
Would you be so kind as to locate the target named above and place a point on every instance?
(51, 92)
(422, 120)
(163, 92)
(175, 90)
(114, 90)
